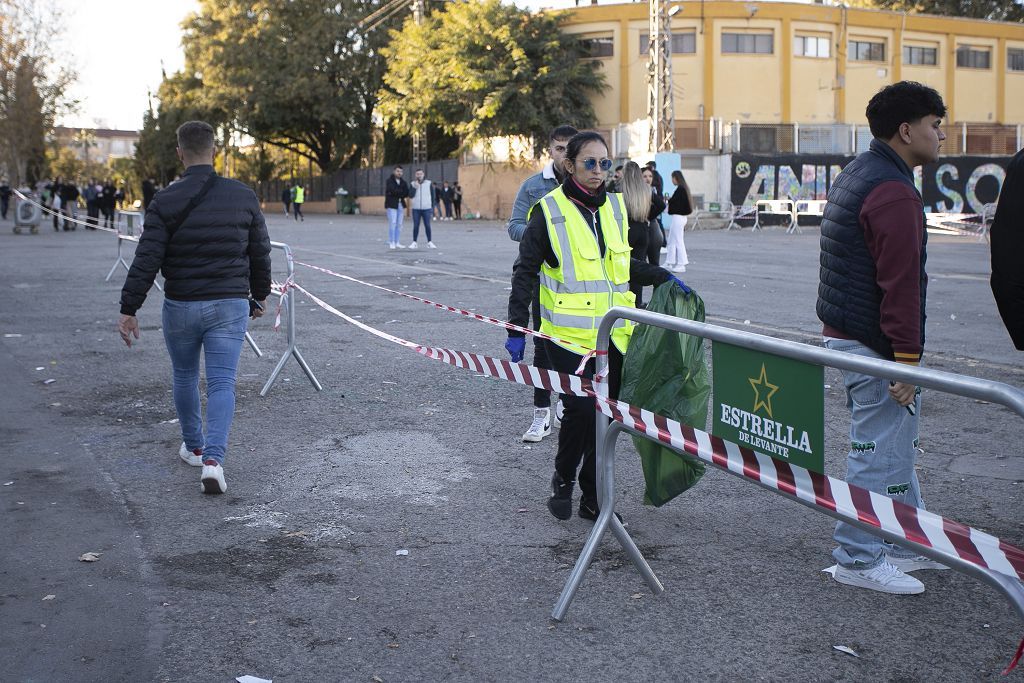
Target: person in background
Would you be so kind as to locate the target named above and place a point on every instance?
(680, 205)
(637, 196)
(457, 200)
(614, 183)
(871, 302)
(655, 235)
(69, 195)
(108, 203)
(396, 190)
(286, 199)
(446, 199)
(530, 192)
(1007, 236)
(148, 191)
(298, 199)
(208, 237)
(424, 201)
(572, 250)
(92, 195)
(5, 198)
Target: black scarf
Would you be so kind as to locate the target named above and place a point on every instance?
(581, 195)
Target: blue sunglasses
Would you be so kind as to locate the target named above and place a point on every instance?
(592, 163)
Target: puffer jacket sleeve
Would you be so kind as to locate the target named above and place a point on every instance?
(149, 257)
(259, 257)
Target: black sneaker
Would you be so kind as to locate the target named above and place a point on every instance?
(590, 510)
(560, 502)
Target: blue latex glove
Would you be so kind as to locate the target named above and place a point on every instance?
(682, 285)
(515, 346)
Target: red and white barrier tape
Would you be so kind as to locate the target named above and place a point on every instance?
(469, 314)
(900, 520)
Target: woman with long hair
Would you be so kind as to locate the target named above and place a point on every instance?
(680, 205)
(637, 196)
(656, 234)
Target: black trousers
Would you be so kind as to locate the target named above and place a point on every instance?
(576, 441)
(541, 397)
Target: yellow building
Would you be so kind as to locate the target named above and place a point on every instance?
(809, 64)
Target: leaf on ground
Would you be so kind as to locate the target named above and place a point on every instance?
(89, 557)
(847, 650)
(49, 597)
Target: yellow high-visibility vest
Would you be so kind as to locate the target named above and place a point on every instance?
(576, 294)
(300, 195)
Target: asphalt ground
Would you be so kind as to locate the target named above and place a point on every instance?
(293, 574)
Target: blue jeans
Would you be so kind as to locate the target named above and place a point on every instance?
(395, 217)
(217, 328)
(883, 450)
(417, 216)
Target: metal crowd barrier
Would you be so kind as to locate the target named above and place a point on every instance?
(608, 432)
(121, 238)
(288, 300)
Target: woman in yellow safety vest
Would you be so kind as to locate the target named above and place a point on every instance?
(576, 245)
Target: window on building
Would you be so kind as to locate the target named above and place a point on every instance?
(748, 43)
(925, 56)
(600, 47)
(968, 57)
(866, 51)
(683, 43)
(812, 46)
(1015, 59)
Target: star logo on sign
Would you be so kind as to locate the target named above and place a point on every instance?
(763, 391)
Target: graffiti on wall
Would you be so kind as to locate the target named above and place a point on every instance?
(953, 185)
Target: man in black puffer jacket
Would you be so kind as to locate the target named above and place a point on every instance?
(208, 237)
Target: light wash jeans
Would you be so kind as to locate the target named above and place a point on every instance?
(395, 217)
(883, 450)
(417, 216)
(217, 328)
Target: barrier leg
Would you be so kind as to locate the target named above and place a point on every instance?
(305, 368)
(291, 351)
(252, 345)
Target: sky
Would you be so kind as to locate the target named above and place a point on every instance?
(117, 47)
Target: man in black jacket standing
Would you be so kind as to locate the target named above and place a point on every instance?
(395, 192)
(208, 237)
(1007, 249)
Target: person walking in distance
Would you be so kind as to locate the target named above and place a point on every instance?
(457, 200)
(446, 199)
(575, 250)
(423, 202)
(530, 192)
(208, 237)
(5, 198)
(396, 190)
(298, 200)
(286, 199)
(680, 205)
(871, 301)
(655, 235)
(108, 203)
(92, 194)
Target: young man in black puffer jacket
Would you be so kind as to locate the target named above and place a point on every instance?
(208, 237)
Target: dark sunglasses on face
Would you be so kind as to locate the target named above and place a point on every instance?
(591, 163)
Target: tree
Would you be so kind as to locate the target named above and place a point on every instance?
(298, 75)
(33, 88)
(996, 10)
(258, 164)
(481, 69)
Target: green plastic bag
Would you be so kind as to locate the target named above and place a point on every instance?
(665, 372)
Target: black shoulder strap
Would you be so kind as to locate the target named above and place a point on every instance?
(172, 226)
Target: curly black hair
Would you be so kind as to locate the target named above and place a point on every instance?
(903, 102)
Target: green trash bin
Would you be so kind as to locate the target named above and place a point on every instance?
(343, 201)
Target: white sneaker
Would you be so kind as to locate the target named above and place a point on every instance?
(212, 480)
(541, 426)
(391, 245)
(663, 250)
(194, 458)
(431, 245)
(412, 245)
(559, 412)
(884, 578)
(399, 245)
(913, 564)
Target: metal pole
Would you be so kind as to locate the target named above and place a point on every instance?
(288, 299)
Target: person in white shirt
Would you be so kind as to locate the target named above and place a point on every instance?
(422, 207)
